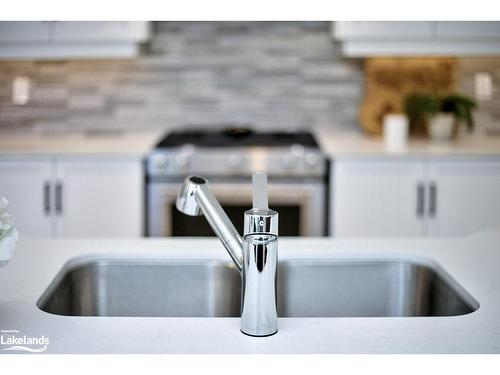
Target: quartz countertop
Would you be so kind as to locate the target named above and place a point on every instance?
(334, 143)
(126, 143)
(473, 261)
(355, 144)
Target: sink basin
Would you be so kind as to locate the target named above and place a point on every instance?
(209, 288)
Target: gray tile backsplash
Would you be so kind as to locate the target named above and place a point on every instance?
(266, 74)
(488, 112)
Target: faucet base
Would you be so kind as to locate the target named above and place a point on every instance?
(270, 334)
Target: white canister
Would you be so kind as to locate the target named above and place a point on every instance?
(396, 132)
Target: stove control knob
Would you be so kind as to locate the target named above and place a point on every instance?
(289, 162)
(183, 161)
(312, 159)
(160, 161)
(235, 162)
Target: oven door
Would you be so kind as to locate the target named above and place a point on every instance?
(301, 206)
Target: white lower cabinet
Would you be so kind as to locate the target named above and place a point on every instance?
(75, 197)
(402, 197)
(376, 198)
(99, 199)
(466, 197)
(27, 186)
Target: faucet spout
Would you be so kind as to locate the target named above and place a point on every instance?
(255, 255)
(195, 199)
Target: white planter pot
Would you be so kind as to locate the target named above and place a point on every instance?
(441, 126)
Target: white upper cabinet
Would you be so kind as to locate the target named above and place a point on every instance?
(468, 30)
(24, 31)
(100, 31)
(414, 38)
(382, 30)
(70, 40)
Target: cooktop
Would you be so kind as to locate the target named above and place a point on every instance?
(237, 138)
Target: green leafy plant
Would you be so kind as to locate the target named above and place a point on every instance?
(419, 107)
(461, 107)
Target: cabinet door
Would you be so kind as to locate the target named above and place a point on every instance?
(101, 31)
(99, 198)
(377, 198)
(24, 31)
(467, 30)
(381, 30)
(27, 186)
(467, 197)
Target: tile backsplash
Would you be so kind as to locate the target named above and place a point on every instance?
(488, 112)
(263, 74)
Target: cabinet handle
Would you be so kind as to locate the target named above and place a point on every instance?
(420, 199)
(432, 199)
(46, 198)
(59, 205)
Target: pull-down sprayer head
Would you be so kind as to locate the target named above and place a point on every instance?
(194, 199)
(186, 199)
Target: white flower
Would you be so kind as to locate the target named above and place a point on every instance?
(8, 234)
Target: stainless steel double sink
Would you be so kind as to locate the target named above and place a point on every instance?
(210, 288)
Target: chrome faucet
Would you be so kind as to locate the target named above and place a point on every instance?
(255, 254)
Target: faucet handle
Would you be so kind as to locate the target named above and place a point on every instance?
(260, 218)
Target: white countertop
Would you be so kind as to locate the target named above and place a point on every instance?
(355, 144)
(473, 261)
(137, 144)
(335, 144)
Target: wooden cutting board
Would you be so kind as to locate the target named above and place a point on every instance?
(389, 80)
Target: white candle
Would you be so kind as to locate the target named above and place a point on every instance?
(395, 132)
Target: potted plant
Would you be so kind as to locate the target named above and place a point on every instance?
(441, 114)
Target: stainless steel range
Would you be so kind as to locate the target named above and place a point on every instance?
(296, 168)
